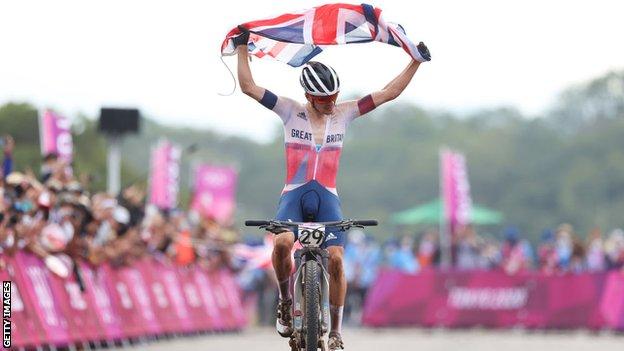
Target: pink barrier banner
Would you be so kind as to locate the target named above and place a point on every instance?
(215, 192)
(168, 276)
(495, 299)
(75, 306)
(55, 135)
(206, 292)
(164, 175)
(123, 302)
(193, 299)
(25, 327)
(33, 281)
(147, 298)
(220, 293)
(612, 302)
(164, 289)
(101, 302)
(137, 290)
(234, 298)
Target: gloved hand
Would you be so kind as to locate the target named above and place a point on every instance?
(242, 38)
(424, 51)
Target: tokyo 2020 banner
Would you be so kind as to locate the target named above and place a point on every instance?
(495, 299)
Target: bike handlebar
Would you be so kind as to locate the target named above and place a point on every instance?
(256, 223)
(343, 223)
(366, 222)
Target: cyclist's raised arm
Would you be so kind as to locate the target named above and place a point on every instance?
(280, 105)
(390, 92)
(396, 86)
(245, 79)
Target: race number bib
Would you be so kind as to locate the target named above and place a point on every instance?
(311, 234)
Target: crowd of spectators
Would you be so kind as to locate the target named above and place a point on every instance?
(559, 251)
(55, 216)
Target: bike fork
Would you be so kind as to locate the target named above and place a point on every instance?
(298, 294)
(325, 318)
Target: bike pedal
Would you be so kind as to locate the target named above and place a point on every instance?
(293, 343)
(321, 345)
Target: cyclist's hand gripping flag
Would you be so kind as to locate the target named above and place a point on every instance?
(295, 38)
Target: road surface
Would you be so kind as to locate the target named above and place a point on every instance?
(264, 339)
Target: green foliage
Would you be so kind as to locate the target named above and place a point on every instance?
(567, 166)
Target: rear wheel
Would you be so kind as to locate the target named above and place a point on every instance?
(312, 305)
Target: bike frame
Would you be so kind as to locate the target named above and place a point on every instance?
(311, 252)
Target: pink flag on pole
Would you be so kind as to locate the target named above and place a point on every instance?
(455, 190)
(55, 135)
(215, 192)
(165, 175)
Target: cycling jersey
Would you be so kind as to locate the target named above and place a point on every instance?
(305, 160)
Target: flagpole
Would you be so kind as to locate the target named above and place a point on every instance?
(114, 164)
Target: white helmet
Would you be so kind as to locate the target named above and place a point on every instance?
(318, 79)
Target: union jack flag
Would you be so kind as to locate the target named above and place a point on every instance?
(295, 38)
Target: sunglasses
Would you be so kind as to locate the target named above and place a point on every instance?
(324, 99)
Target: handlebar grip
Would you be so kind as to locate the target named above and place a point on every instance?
(256, 223)
(366, 222)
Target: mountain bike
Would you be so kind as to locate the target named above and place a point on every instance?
(311, 319)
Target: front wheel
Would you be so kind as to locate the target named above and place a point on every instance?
(312, 305)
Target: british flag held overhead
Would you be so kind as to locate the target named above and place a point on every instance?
(295, 38)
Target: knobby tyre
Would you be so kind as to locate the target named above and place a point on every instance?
(312, 305)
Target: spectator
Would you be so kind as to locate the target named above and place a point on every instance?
(401, 255)
(595, 251)
(564, 245)
(49, 166)
(517, 253)
(491, 256)
(547, 254)
(468, 248)
(8, 144)
(428, 249)
(614, 249)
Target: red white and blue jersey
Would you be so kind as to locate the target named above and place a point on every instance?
(306, 161)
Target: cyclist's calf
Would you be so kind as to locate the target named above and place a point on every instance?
(335, 261)
(282, 248)
(283, 244)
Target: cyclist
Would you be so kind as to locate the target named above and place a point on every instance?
(314, 134)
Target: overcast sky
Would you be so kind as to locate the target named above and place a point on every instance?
(163, 56)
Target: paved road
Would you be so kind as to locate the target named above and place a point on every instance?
(407, 339)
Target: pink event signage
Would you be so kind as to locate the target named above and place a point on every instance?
(146, 298)
(455, 189)
(55, 135)
(215, 191)
(165, 175)
(495, 299)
